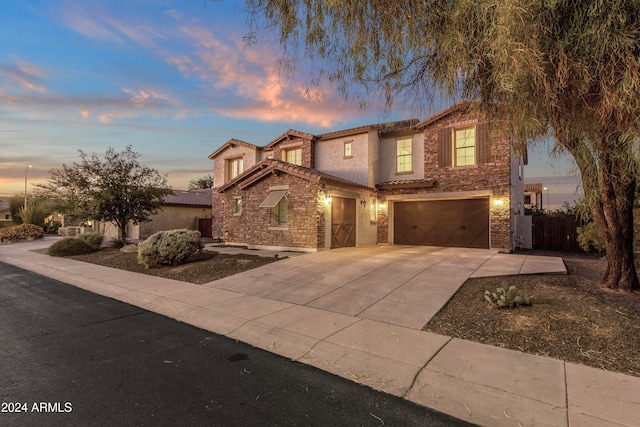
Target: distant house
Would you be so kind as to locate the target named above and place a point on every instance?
(6, 218)
(533, 195)
(451, 180)
(181, 209)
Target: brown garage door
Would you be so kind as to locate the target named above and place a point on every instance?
(463, 223)
(343, 222)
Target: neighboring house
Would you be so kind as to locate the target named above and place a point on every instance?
(181, 209)
(6, 219)
(533, 195)
(451, 180)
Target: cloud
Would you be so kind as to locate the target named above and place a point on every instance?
(251, 83)
(24, 75)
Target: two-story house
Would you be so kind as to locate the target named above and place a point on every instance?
(451, 180)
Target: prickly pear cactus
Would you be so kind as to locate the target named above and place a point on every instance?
(505, 296)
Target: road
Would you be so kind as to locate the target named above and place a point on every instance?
(70, 357)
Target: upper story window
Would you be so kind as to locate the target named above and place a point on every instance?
(234, 168)
(293, 155)
(404, 155)
(347, 150)
(465, 146)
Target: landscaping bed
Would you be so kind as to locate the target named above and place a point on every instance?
(571, 318)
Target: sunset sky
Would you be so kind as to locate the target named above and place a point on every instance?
(173, 79)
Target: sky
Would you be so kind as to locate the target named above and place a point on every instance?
(173, 79)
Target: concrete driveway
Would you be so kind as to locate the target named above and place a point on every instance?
(400, 285)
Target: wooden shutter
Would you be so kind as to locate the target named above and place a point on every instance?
(483, 143)
(444, 148)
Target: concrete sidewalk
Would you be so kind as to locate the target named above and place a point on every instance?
(314, 308)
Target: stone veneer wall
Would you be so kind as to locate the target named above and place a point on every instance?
(306, 212)
(307, 150)
(217, 214)
(492, 176)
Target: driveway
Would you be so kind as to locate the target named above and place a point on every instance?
(400, 285)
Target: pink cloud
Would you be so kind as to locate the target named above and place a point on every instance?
(24, 75)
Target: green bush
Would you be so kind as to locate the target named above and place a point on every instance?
(589, 237)
(171, 247)
(93, 239)
(505, 296)
(23, 232)
(70, 246)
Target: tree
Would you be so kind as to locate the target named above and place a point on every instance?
(203, 183)
(115, 188)
(562, 68)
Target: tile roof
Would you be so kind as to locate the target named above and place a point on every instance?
(443, 113)
(533, 188)
(189, 198)
(407, 183)
(232, 143)
(264, 168)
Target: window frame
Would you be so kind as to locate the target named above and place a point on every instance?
(455, 148)
(279, 213)
(347, 149)
(404, 156)
(237, 206)
(287, 151)
(239, 168)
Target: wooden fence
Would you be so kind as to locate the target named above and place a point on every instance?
(556, 233)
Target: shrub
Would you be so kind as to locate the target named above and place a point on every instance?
(23, 232)
(171, 247)
(505, 296)
(70, 246)
(589, 237)
(93, 239)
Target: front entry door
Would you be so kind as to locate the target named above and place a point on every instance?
(343, 222)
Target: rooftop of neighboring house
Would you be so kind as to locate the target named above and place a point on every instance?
(189, 198)
(533, 188)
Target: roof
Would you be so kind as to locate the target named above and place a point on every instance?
(232, 143)
(189, 198)
(380, 127)
(408, 183)
(443, 113)
(268, 166)
(533, 188)
(291, 133)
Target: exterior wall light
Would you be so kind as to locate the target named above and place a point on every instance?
(327, 200)
(498, 202)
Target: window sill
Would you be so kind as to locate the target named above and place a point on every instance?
(404, 173)
(279, 228)
(348, 157)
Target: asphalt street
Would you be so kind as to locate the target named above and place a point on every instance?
(69, 357)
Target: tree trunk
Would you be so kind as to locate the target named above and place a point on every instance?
(615, 219)
(609, 173)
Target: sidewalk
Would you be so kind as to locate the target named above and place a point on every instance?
(482, 384)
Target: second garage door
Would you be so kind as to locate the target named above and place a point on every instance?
(463, 223)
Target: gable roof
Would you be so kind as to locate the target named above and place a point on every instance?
(268, 166)
(444, 113)
(288, 135)
(189, 198)
(232, 143)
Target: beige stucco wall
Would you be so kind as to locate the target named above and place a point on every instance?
(330, 158)
(249, 158)
(387, 164)
(170, 218)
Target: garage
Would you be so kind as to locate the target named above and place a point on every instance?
(460, 223)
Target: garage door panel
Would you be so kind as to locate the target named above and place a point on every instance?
(463, 223)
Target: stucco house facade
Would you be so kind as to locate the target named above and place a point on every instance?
(180, 209)
(454, 179)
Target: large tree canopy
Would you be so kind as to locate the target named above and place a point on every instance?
(565, 68)
(116, 188)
